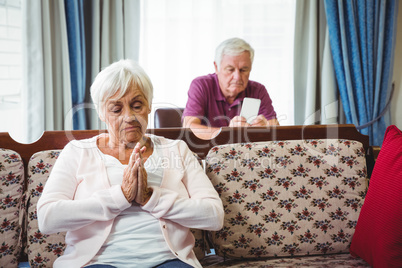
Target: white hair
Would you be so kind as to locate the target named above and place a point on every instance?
(121, 76)
(232, 47)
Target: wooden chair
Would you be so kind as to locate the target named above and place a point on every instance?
(168, 117)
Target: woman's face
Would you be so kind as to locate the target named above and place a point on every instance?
(127, 117)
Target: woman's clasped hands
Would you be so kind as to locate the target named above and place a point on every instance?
(134, 185)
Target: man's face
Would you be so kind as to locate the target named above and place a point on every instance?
(233, 74)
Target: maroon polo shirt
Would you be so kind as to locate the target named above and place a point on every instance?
(206, 101)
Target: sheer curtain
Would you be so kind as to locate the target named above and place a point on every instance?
(179, 38)
(112, 32)
(46, 90)
(316, 97)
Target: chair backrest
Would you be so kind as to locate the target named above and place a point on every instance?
(168, 117)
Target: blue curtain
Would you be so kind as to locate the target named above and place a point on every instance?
(362, 37)
(76, 45)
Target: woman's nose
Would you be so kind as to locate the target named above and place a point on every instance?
(130, 117)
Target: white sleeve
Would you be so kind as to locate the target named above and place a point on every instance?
(57, 209)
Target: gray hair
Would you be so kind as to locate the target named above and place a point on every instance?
(120, 77)
(232, 47)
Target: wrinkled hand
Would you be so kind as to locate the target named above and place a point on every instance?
(238, 121)
(143, 191)
(259, 121)
(134, 184)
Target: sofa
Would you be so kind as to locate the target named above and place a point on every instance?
(292, 195)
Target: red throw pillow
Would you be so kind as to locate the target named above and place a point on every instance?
(378, 235)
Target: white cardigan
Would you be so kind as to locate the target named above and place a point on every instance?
(78, 198)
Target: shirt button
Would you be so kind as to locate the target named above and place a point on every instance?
(164, 226)
(176, 254)
(230, 109)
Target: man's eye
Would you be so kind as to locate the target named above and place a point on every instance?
(116, 111)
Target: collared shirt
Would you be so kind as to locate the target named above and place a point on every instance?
(207, 102)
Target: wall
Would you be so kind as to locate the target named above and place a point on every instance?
(10, 47)
(396, 104)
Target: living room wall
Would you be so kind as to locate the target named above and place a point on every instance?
(396, 104)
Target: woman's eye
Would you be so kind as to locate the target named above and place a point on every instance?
(137, 106)
(115, 109)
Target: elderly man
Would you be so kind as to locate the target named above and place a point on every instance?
(215, 100)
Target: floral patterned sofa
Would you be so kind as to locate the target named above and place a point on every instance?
(292, 195)
(288, 203)
(11, 192)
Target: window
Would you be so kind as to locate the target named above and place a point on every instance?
(179, 38)
(10, 65)
(177, 43)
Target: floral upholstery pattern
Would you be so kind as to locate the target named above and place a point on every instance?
(200, 247)
(42, 249)
(288, 198)
(11, 193)
(331, 260)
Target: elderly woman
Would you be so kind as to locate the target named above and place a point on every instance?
(127, 199)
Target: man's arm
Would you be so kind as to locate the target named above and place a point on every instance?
(201, 131)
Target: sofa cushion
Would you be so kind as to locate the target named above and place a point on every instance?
(331, 260)
(11, 192)
(288, 198)
(42, 249)
(378, 236)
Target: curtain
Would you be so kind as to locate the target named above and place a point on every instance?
(46, 89)
(362, 37)
(112, 30)
(315, 91)
(65, 45)
(76, 45)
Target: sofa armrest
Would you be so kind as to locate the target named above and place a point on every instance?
(371, 157)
